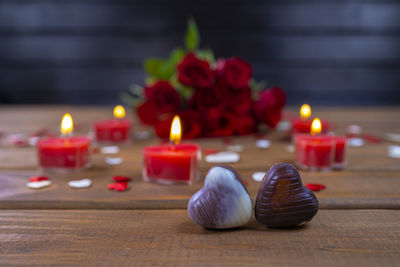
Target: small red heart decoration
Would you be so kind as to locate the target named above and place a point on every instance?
(38, 178)
(119, 178)
(120, 186)
(315, 187)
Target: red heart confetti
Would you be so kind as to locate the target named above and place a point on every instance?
(38, 178)
(119, 186)
(371, 138)
(315, 187)
(119, 178)
(95, 150)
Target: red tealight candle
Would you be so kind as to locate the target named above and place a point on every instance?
(172, 163)
(116, 130)
(303, 124)
(319, 152)
(66, 152)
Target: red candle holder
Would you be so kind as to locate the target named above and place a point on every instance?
(304, 126)
(64, 154)
(112, 131)
(321, 152)
(172, 164)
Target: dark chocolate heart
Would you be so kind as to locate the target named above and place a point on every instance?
(282, 199)
(223, 202)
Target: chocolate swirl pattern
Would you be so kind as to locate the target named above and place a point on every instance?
(282, 199)
(223, 202)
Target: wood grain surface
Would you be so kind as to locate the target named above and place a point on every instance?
(170, 238)
(371, 179)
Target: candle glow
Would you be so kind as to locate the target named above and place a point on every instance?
(119, 112)
(67, 124)
(316, 127)
(305, 112)
(175, 135)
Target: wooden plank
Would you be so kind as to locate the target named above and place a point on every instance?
(95, 84)
(345, 190)
(150, 16)
(169, 238)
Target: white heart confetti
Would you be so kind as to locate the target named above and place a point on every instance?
(223, 157)
(353, 129)
(357, 142)
(290, 148)
(258, 176)
(83, 183)
(394, 137)
(235, 148)
(113, 161)
(109, 149)
(394, 151)
(38, 185)
(263, 143)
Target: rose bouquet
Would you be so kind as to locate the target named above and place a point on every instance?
(212, 97)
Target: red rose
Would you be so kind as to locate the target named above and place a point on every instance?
(236, 72)
(195, 72)
(162, 98)
(225, 126)
(147, 113)
(240, 102)
(189, 122)
(245, 125)
(268, 108)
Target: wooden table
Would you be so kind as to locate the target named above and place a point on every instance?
(358, 224)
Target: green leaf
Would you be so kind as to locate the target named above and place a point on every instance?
(167, 69)
(206, 55)
(152, 66)
(192, 37)
(176, 55)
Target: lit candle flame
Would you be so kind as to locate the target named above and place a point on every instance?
(175, 135)
(67, 125)
(305, 112)
(315, 127)
(119, 112)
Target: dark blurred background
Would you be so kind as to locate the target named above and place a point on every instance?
(332, 52)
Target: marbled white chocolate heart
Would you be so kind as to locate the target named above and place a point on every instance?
(223, 202)
(282, 199)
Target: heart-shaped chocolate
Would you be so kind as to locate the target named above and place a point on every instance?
(223, 202)
(282, 199)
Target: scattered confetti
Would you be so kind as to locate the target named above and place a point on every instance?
(290, 148)
(393, 137)
(142, 135)
(110, 150)
(263, 143)
(235, 148)
(113, 161)
(38, 178)
(38, 185)
(32, 141)
(209, 151)
(95, 150)
(83, 183)
(394, 151)
(371, 138)
(258, 176)
(17, 140)
(119, 178)
(223, 157)
(119, 186)
(356, 142)
(353, 129)
(315, 187)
